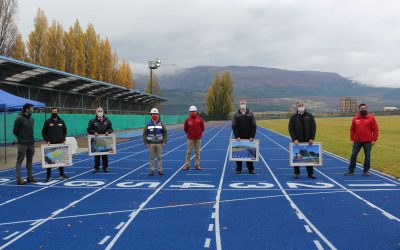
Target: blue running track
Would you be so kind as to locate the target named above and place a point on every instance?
(209, 209)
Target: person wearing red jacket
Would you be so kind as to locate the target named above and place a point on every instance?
(363, 134)
(194, 127)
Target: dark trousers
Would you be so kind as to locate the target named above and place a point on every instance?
(104, 158)
(28, 151)
(249, 164)
(310, 170)
(60, 168)
(356, 149)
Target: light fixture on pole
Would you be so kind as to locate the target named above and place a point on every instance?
(153, 65)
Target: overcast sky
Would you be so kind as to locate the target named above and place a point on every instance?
(357, 39)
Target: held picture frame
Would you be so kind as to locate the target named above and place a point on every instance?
(102, 145)
(56, 155)
(304, 154)
(244, 150)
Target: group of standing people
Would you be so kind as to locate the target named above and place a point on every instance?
(302, 129)
(54, 131)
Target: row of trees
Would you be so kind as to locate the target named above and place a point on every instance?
(75, 51)
(219, 98)
(8, 26)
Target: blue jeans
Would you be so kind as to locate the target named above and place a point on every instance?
(356, 149)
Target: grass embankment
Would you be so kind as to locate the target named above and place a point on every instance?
(334, 134)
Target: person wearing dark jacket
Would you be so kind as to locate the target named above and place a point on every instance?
(23, 130)
(98, 126)
(54, 132)
(244, 127)
(302, 128)
(194, 128)
(155, 138)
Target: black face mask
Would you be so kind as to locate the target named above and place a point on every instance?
(363, 113)
(54, 115)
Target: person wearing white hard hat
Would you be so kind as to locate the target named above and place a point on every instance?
(155, 138)
(194, 128)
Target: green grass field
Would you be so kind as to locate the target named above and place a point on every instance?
(335, 136)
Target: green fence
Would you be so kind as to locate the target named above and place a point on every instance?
(77, 123)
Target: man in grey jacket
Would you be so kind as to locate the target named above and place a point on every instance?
(23, 130)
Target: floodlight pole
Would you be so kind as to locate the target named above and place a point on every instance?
(153, 65)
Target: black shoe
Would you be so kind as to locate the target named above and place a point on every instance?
(252, 172)
(63, 177)
(48, 178)
(312, 176)
(21, 182)
(160, 173)
(95, 170)
(296, 176)
(238, 171)
(151, 173)
(105, 170)
(349, 173)
(366, 173)
(31, 180)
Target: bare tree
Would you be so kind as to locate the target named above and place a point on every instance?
(8, 27)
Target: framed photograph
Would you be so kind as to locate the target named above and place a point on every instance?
(305, 155)
(102, 145)
(244, 150)
(56, 155)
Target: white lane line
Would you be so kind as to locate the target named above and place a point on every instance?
(120, 225)
(80, 154)
(376, 172)
(362, 180)
(83, 198)
(299, 213)
(213, 215)
(210, 227)
(207, 243)
(373, 185)
(133, 215)
(11, 235)
(104, 240)
(308, 229)
(35, 222)
(385, 213)
(318, 244)
(217, 201)
(62, 181)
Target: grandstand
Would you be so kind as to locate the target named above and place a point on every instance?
(71, 93)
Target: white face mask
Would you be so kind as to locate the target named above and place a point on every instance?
(242, 106)
(301, 110)
(100, 114)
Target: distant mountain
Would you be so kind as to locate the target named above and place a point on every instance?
(267, 88)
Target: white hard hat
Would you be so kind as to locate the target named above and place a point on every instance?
(154, 111)
(192, 108)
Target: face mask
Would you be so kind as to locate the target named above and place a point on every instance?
(29, 112)
(193, 114)
(242, 106)
(100, 114)
(54, 115)
(363, 112)
(301, 110)
(154, 117)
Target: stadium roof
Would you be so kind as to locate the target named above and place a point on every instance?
(22, 73)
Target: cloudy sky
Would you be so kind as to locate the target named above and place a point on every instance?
(357, 39)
